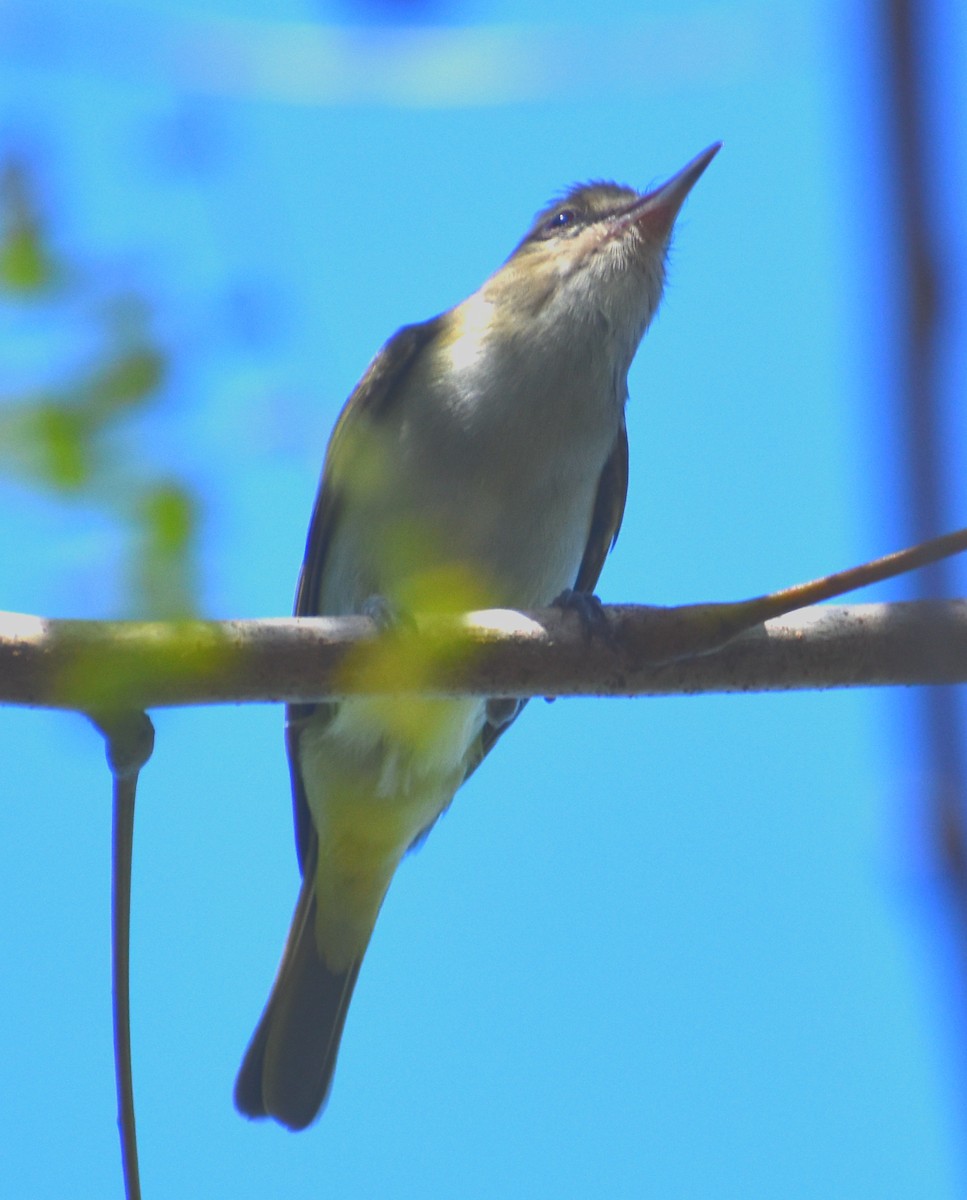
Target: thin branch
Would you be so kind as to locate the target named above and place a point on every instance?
(130, 740)
(497, 652)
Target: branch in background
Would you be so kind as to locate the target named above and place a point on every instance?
(922, 291)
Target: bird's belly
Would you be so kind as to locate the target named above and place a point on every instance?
(404, 744)
(452, 540)
(514, 490)
(529, 546)
(382, 770)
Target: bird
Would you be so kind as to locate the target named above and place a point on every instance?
(481, 461)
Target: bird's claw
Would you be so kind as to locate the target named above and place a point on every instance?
(590, 612)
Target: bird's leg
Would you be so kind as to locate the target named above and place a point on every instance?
(589, 610)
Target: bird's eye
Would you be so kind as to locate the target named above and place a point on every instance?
(560, 220)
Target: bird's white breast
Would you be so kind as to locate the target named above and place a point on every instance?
(505, 444)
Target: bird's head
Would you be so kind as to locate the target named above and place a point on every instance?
(598, 252)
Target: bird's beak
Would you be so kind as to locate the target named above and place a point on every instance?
(655, 212)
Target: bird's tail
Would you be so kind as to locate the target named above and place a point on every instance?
(288, 1066)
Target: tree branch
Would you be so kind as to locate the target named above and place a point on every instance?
(94, 665)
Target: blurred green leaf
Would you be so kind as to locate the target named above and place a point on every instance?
(73, 438)
(47, 440)
(63, 438)
(26, 265)
(169, 517)
(166, 522)
(109, 677)
(126, 382)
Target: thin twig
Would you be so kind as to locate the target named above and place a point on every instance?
(130, 740)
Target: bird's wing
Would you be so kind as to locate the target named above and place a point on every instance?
(370, 400)
(609, 507)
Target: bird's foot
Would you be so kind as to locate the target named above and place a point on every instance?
(590, 612)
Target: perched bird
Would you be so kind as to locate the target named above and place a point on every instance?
(482, 461)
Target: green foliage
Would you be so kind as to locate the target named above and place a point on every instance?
(76, 439)
(46, 441)
(26, 265)
(167, 525)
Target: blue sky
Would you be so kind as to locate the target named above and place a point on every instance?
(678, 948)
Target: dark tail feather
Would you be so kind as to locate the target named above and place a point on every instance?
(288, 1066)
